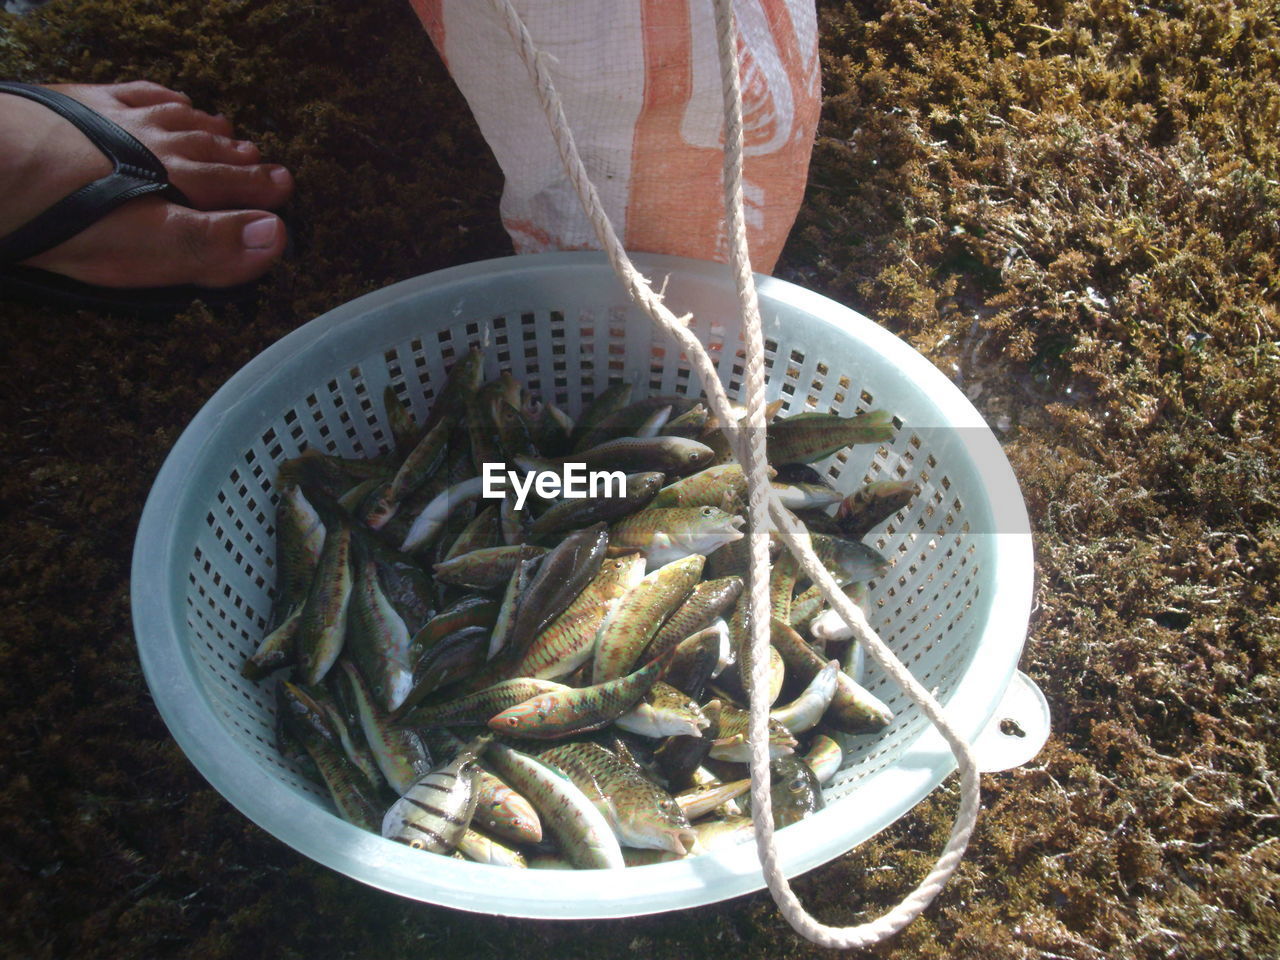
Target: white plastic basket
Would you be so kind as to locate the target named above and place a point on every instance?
(954, 607)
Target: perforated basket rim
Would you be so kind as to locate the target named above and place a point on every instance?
(171, 671)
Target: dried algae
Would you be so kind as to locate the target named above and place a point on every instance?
(1073, 208)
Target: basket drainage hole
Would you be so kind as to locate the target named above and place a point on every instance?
(1011, 728)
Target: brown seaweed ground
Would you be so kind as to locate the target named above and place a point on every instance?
(1072, 206)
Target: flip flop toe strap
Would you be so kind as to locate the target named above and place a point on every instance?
(136, 172)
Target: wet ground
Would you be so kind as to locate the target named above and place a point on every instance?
(1072, 207)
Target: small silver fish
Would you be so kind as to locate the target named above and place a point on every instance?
(806, 496)
(699, 801)
(428, 524)
(474, 845)
(435, 812)
(572, 710)
(664, 712)
(804, 712)
(500, 810)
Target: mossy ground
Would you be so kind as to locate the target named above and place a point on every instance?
(1074, 207)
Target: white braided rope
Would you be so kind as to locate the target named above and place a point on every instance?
(764, 509)
(764, 506)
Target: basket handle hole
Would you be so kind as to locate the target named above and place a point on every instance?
(1011, 728)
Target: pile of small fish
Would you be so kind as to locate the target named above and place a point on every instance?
(557, 681)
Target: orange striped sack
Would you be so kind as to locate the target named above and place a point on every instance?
(640, 82)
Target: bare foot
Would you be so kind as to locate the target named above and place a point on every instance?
(227, 238)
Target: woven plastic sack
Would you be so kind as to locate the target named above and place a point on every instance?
(641, 88)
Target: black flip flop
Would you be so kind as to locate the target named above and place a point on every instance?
(136, 172)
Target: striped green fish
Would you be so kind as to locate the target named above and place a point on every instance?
(403, 430)
(805, 607)
(716, 486)
(630, 420)
(582, 832)
(378, 640)
(700, 657)
(275, 651)
(460, 386)
(824, 757)
(569, 640)
(399, 751)
(323, 626)
(478, 707)
(670, 455)
(863, 510)
(570, 514)
(704, 606)
(808, 437)
(346, 784)
(572, 710)
(486, 569)
(670, 533)
(613, 398)
(640, 812)
(639, 613)
(562, 575)
(483, 531)
(423, 460)
(299, 540)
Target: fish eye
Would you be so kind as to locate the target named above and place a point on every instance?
(797, 785)
(707, 511)
(513, 722)
(417, 844)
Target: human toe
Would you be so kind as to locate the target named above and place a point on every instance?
(225, 186)
(205, 147)
(225, 248)
(175, 116)
(145, 93)
(152, 243)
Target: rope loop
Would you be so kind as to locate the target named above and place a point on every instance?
(766, 514)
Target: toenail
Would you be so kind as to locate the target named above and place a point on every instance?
(260, 234)
(244, 146)
(280, 175)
